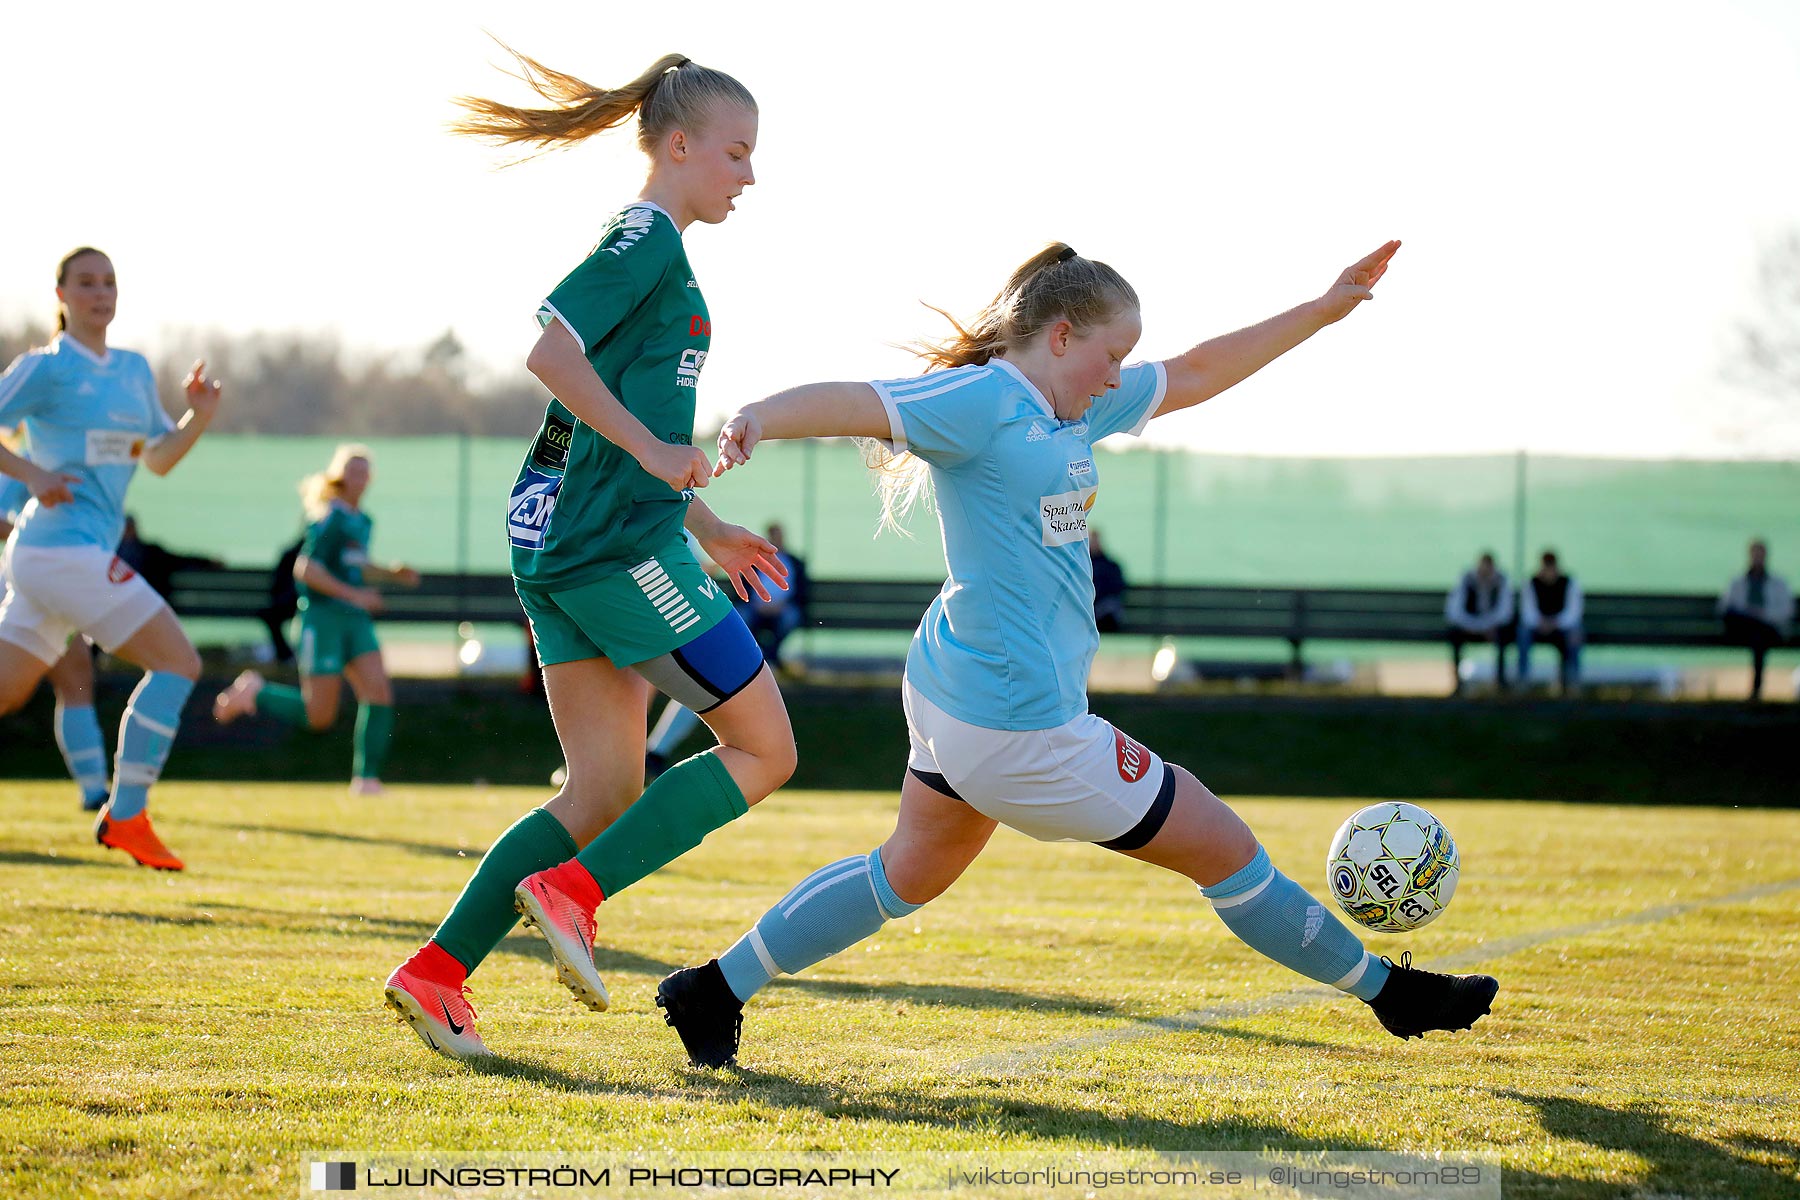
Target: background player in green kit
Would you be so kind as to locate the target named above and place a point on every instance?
(616, 600)
(337, 624)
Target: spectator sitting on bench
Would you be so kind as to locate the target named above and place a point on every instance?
(1550, 611)
(1480, 609)
(156, 564)
(1758, 609)
(1109, 587)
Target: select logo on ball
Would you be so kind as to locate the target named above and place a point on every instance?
(1393, 867)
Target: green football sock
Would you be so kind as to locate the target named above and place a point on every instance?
(374, 730)
(282, 702)
(687, 802)
(483, 914)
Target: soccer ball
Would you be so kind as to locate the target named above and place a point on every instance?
(1392, 867)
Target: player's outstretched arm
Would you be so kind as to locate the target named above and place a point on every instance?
(811, 410)
(561, 365)
(1215, 365)
(161, 455)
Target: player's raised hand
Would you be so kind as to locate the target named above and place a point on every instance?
(736, 440)
(681, 467)
(741, 554)
(51, 488)
(202, 393)
(1356, 284)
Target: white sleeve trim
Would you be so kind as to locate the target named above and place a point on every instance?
(896, 439)
(1162, 389)
(14, 379)
(547, 307)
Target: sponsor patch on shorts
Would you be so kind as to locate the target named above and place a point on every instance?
(1134, 760)
(119, 571)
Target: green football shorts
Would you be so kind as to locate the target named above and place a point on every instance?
(332, 635)
(630, 616)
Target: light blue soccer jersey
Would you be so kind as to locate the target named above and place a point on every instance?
(85, 416)
(14, 495)
(1008, 642)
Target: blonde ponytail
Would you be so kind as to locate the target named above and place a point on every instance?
(1053, 284)
(675, 92)
(902, 482)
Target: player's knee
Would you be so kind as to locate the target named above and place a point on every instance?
(781, 760)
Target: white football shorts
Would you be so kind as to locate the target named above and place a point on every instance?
(55, 591)
(1083, 781)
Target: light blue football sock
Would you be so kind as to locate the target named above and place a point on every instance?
(1275, 916)
(672, 728)
(145, 736)
(829, 911)
(83, 749)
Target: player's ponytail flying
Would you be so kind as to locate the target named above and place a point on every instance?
(675, 92)
(1054, 284)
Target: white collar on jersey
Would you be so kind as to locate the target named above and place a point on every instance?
(652, 204)
(99, 360)
(1030, 387)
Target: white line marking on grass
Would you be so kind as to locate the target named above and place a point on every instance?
(1237, 1010)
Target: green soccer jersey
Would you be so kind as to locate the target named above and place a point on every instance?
(582, 507)
(339, 542)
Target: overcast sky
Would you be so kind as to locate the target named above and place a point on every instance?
(1582, 189)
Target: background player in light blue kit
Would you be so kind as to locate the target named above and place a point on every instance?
(91, 415)
(76, 725)
(996, 679)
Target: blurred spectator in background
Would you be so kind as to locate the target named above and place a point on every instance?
(154, 563)
(1109, 587)
(771, 620)
(284, 600)
(1550, 611)
(1480, 609)
(1758, 609)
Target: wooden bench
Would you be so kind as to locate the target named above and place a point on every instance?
(1294, 615)
(439, 599)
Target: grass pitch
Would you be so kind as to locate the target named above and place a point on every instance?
(199, 1034)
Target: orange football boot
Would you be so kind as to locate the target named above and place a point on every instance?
(134, 836)
(430, 992)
